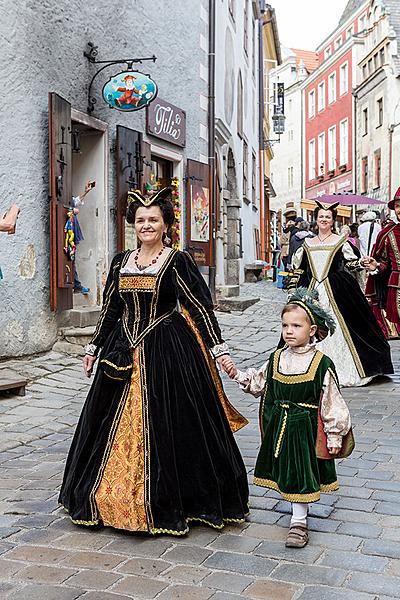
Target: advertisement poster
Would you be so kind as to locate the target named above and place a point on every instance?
(200, 214)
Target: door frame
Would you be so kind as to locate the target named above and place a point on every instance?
(94, 123)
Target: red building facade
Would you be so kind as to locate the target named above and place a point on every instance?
(329, 111)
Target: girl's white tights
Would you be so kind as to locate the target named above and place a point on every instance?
(299, 513)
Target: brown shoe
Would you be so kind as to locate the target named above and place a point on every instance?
(297, 536)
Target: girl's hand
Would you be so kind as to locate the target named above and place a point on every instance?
(333, 450)
(88, 362)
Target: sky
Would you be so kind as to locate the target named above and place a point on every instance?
(305, 24)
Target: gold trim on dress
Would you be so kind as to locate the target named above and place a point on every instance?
(344, 328)
(140, 283)
(120, 493)
(313, 497)
(309, 375)
(235, 419)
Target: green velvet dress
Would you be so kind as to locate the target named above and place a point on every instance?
(287, 460)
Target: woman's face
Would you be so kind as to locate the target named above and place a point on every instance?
(325, 220)
(149, 224)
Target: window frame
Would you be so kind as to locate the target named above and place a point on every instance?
(331, 77)
(321, 153)
(332, 155)
(311, 164)
(344, 149)
(321, 105)
(311, 104)
(344, 67)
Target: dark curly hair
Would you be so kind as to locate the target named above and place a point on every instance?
(165, 205)
(332, 210)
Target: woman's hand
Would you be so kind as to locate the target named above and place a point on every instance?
(88, 362)
(227, 365)
(333, 450)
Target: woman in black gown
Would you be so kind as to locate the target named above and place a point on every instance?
(154, 448)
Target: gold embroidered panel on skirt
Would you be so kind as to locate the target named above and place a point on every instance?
(120, 497)
(138, 283)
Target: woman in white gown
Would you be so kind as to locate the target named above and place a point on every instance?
(358, 347)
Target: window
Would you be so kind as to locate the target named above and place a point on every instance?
(364, 175)
(344, 142)
(321, 96)
(328, 52)
(376, 61)
(370, 69)
(338, 43)
(240, 106)
(311, 104)
(379, 112)
(382, 56)
(365, 71)
(377, 168)
(365, 121)
(332, 148)
(311, 160)
(321, 154)
(332, 88)
(361, 23)
(253, 178)
(290, 177)
(246, 27)
(349, 32)
(344, 79)
(245, 170)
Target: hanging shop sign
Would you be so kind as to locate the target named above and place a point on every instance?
(129, 90)
(167, 122)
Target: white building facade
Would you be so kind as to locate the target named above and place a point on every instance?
(287, 165)
(237, 140)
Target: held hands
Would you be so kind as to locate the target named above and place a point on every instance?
(88, 362)
(369, 263)
(227, 365)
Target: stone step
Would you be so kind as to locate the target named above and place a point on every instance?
(240, 303)
(77, 335)
(82, 316)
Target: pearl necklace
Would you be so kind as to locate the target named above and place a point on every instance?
(153, 262)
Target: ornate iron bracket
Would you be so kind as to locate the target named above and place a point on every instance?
(91, 54)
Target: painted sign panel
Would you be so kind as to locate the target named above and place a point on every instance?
(200, 214)
(167, 122)
(129, 91)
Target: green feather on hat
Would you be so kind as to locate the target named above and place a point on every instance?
(308, 300)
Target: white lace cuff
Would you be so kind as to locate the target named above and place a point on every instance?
(220, 350)
(91, 349)
(334, 440)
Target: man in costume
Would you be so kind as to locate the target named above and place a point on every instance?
(130, 93)
(383, 284)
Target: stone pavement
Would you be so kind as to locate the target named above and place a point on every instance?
(354, 549)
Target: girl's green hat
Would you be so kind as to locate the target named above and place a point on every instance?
(308, 300)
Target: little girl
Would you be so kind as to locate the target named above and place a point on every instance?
(296, 385)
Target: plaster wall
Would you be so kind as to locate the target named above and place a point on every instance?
(42, 51)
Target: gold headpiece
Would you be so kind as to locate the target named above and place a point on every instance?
(137, 196)
(327, 206)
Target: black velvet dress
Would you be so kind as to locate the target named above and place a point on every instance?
(358, 348)
(154, 448)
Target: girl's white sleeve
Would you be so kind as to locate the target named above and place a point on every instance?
(253, 381)
(334, 412)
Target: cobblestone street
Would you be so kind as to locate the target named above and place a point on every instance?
(354, 549)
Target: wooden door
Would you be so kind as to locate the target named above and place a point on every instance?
(129, 153)
(198, 216)
(60, 178)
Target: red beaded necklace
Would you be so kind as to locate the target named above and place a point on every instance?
(153, 262)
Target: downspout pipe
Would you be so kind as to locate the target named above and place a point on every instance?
(211, 143)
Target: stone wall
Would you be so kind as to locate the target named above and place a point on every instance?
(42, 51)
